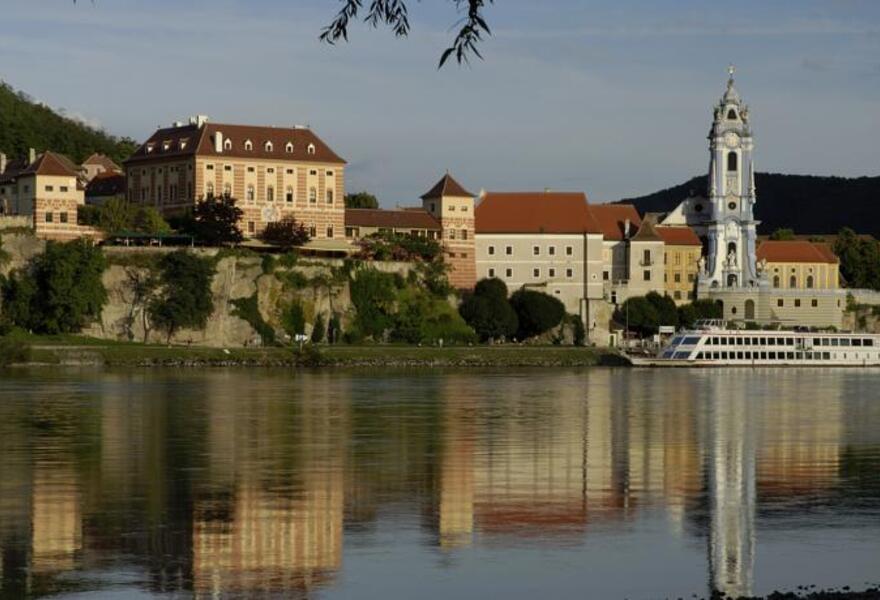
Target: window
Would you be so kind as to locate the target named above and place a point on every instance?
(451, 234)
(248, 145)
(311, 149)
(250, 170)
(690, 277)
(551, 272)
(536, 250)
(797, 302)
(313, 195)
(313, 231)
(809, 281)
(551, 250)
(270, 170)
(776, 281)
(569, 273)
(569, 250)
(509, 272)
(536, 273)
(289, 171)
(227, 167)
(464, 234)
(289, 149)
(780, 302)
(329, 173)
(251, 227)
(62, 216)
(267, 146)
(329, 196)
(48, 217)
(50, 188)
(270, 194)
(250, 193)
(731, 114)
(227, 144)
(491, 250)
(646, 258)
(814, 303)
(732, 161)
(227, 189)
(209, 189)
(208, 167)
(647, 275)
(508, 250)
(792, 282)
(329, 232)
(678, 278)
(288, 195)
(491, 273)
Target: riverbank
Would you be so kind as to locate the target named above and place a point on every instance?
(82, 351)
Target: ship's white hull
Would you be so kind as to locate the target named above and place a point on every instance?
(640, 361)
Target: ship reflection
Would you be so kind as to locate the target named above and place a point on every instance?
(221, 484)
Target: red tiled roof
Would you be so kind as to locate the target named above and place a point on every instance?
(107, 183)
(191, 140)
(795, 251)
(391, 219)
(447, 186)
(612, 218)
(535, 212)
(50, 163)
(678, 236)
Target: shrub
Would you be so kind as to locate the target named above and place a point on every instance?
(288, 260)
(424, 318)
(186, 300)
(61, 292)
(293, 319)
(688, 314)
(334, 329)
(14, 349)
(373, 296)
(249, 310)
(268, 264)
(488, 311)
(318, 329)
(580, 332)
(537, 312)
(286, 233)
(645, 314)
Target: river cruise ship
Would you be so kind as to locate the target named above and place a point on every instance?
(711, 344)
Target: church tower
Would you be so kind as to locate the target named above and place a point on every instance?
(730, 228)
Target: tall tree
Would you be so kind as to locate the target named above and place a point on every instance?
(215, 221)
(361, 200)
(186, 300)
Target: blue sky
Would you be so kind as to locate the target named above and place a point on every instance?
(609, 97)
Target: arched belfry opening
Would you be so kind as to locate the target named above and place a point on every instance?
(732, 161)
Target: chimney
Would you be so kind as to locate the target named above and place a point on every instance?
(218, 142)
(198, 120)
(626, 225)
(32, 156)
(2, 163)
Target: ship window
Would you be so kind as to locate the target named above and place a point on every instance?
(691, 340)
(826, 342)
(835, 342)
(681, 355)
(817, 341)
(763, 356)
(857, 342)
(844, 342)
(739, 355)
(869, 342)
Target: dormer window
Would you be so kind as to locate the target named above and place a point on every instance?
(731, 114)
(248, 145)
(311, 149)
(289, 147)
(149, 148)
(166, 145)
(183, 143)
(268, 147)
(227, 144)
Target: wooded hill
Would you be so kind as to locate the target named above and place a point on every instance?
(807, 204)
(25, 124)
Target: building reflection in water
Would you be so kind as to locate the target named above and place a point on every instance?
(228, 484)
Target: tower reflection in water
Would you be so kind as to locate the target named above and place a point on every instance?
(225, 483)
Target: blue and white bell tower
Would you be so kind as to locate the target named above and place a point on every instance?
(731, 226)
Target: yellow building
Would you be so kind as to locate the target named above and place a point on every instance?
(800, 265)
(681, 262)
(44, 188)
(273, 173)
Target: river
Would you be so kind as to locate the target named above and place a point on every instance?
(592, 483)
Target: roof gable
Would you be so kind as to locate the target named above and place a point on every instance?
(535, 212)
(50, 163)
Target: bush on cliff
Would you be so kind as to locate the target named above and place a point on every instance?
(537, 312)
(488, 311)
(423, 318)
(373, 294)
(186, 300)
(60, 292)
(286, 234)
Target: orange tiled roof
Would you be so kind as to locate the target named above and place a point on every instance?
(612, 217)
(50, 163)
(189, 140)
(678, 236)
(391, 219)
(535, 212)
(795, 251)
(101, 160)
